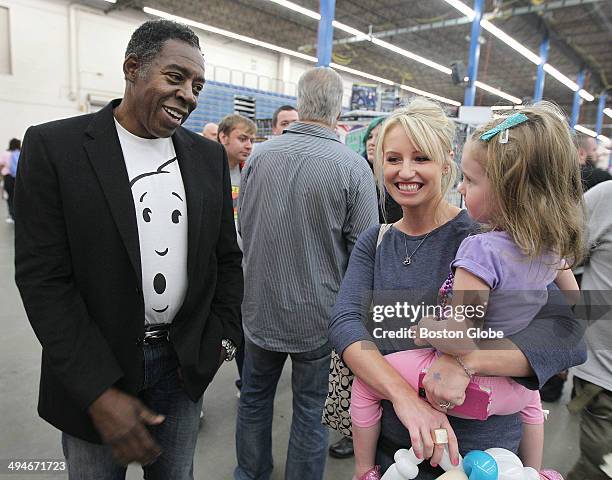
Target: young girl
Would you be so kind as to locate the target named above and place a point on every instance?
(521, 179)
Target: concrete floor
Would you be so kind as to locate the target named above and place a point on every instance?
(24, 435)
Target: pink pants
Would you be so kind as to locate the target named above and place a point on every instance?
(507, 396)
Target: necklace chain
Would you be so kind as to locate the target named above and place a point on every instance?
(408, 260)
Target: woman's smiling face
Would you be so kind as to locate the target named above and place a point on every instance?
(411, 177)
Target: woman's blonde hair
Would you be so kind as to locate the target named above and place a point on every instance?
(430, 130)
(535, 182)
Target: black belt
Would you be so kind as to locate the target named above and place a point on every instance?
(156, 334)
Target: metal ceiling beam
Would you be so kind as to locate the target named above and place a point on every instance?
(453, 22)
(570, 52)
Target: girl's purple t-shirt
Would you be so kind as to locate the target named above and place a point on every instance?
(517, 283)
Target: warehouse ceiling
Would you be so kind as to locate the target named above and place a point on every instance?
(580, 33)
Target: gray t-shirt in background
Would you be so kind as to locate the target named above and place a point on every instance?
(597, 287)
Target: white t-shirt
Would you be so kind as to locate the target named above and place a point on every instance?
(161, 214)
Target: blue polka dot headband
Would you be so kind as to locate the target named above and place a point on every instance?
(508, 123)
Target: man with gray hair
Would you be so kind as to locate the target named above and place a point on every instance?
(304, 200)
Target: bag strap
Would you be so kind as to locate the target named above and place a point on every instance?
(384, 228)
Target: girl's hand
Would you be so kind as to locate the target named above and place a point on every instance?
(445, 381)
(421, 420)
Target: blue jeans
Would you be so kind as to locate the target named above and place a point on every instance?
(177, 435)
(308, 438)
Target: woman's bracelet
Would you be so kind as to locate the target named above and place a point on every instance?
(467, 371)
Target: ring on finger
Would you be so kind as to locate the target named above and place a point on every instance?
(445, 405)
(440, 436)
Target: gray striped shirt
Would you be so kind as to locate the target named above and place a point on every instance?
(304, 199)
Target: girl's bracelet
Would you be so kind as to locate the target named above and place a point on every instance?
(467, 371)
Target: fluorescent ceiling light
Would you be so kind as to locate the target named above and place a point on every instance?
(608, 112)
(586, 95)
(511, 42)
(382, 43)
(591, 133)
(413, 56)
(226, 33)
(269, 46)
(498, 92)
(297, 8)
(587, 131)
(389, 82)
(548, 68)
(317, 16)
(361, 74)
(111, 1)
(364, 36)
(430, 95)
(351, 30)
(463, 8)
(507, 107)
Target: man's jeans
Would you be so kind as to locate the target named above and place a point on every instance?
(595, 433)
(308, 438)
(177, 435)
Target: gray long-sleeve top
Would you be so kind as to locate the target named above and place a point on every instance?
(551, 343)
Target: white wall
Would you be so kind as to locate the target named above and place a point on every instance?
(41, 87)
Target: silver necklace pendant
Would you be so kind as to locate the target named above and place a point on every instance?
(408, 259)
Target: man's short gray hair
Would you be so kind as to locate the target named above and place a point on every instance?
(320, 96)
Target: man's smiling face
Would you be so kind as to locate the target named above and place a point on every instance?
(165, 92)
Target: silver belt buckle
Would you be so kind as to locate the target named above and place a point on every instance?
(162, 334)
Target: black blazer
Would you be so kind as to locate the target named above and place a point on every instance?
(77, 264)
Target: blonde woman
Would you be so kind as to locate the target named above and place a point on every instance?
(408, 266)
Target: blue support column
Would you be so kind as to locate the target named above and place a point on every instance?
(600, 108)
(539, 85)
(470, 90)
(576, 104)
(326, 33)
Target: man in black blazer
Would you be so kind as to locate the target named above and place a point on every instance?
(127, 263)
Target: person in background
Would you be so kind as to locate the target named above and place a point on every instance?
(282, 118)
(128, 267)
(305, 198)
(603, 155)
(388, 210)
(236, 134)
(587, 154)
(593, 379)
(8, 163)
(210, 131)
(591, 176)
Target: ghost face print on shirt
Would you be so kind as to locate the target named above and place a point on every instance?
(161, 213)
